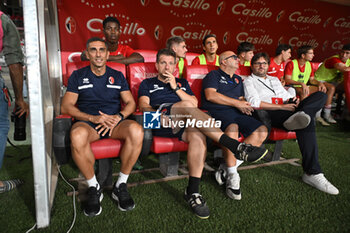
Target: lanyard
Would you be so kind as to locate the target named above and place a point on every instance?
(268, 86)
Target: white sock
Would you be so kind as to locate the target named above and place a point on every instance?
(327, 111)
(93, 182)
(318, 114)
(123, 178)
(232, 170)
(239, 162)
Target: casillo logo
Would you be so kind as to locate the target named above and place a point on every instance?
(297, 16)
(180, 31)
(194, 4)
(263, 39)
(240, 9)
(342, 23)
(337, 45)
(295, 41)
(128, 29)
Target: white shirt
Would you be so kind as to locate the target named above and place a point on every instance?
(258, 89)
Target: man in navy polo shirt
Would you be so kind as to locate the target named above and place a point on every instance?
(223, 97)
(93, 99)
(181, 105)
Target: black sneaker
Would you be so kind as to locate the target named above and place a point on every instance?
(122, 196)
(250, 153)
(93, 205)
(198, 205)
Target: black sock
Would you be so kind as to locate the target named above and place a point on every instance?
(193, 185)
(230, 143)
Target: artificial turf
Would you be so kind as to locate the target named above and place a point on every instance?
(274, 199)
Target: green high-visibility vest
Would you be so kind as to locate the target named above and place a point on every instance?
(181, 66)
(203, 60)
(330, 75)
(299, 76)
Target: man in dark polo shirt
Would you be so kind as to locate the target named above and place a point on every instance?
(93, 98)
(223, 97)
(181, 106)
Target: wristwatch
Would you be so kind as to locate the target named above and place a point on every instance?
(121, 116)
(177, 88)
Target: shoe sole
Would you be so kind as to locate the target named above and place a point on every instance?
(297, 122)
(115, 197)
(262, 156)
(99, 212)
(233, 196)
(201, 217)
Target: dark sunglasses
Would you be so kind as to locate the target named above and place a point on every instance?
(233, 56)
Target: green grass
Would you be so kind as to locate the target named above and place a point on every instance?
(273, 198)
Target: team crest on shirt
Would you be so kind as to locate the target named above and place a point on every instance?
(179, 84)
(111, 80)
(236, 80)
(85, 80)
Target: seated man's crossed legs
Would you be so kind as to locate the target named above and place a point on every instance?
(82, 134)
(186, 110)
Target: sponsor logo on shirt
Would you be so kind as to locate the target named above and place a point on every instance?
(156, 88)
(86, 80)
(223, 80)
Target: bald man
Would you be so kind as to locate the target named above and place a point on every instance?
(222, 96)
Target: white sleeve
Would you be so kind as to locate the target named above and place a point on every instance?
(282, 92)
(250, 93)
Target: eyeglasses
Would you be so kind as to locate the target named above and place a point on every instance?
(260, 63)
(233, 56)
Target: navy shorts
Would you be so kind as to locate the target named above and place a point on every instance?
(246, 124)
(167, 132)
(93, 125)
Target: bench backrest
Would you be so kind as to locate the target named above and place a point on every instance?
(148, 55)
(194, 75)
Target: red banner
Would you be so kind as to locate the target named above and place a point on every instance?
(148, 24)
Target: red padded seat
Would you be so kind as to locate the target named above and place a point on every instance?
(277, 134)
(106, 148)
(194, 75)
(162, 145)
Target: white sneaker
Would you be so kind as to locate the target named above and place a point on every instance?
(321, 121)
(298, 120)
(232, 186)
(330, 119)
(320, 182)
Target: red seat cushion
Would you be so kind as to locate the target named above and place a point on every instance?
(106, 148)
(161, 145)
(280, 134)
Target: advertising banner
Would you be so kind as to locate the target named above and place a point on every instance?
(147, 24)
